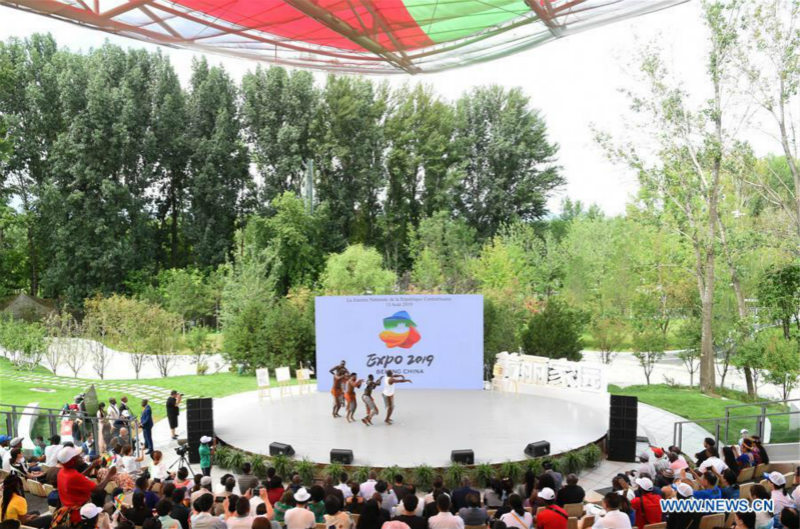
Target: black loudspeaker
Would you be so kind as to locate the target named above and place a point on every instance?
(199, 422)
(622, 424)
(465, 457)
(339, 455)
(280, 448)
(538, 449)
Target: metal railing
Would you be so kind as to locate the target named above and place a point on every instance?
(764, 413)
(70, 425)
(719, 425)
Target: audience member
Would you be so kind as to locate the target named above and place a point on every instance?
(335, 517)
(332, 490)
(247, 480)
(202, 517)
(779, 495)
(680, 519)
(367, 489)
(241, 518)
(557, 477)
(388, 498)
(15, 507)
(282, 506)
(372, 516)
(317, 503)
(163, 509)
(517, 516)
(472, 513)
(571, 492)
(613, 518)
(459, 496)
(299, 516)
(180, 511)
(745, 520)
(444, 519)
(344, 486)
(406, 512)
(355, 502)
(647, 504)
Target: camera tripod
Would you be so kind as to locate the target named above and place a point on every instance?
(182, 462)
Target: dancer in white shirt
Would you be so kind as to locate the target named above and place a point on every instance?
(388, 392)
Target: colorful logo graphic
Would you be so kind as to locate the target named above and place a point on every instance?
(399, 339)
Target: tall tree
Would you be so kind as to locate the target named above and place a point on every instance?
(505, 163)
(219, 184)
(690, 146)
(418, 132)
(277, 111)
(348, 142)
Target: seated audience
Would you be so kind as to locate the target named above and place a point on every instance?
(459, 496)
(571, 492)
(274, 486)
(285, 503)
(372, 516)
(472, 512)
(15, 507)
(299, 516)
(517, 516)
(406, 512)
(355, 502)
(247, 480)
(179, 510)
(240, 518)
(647, 504)
(335, 517)
(778, 493)
(551, 516)
(444, 519)
(139, 511)
(164, 508)
(682, 520)
(388, 498)
(202, 517)
(317, 503)
(613, 517)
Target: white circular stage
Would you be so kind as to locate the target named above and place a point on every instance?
(428, 424)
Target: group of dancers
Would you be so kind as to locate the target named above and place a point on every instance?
(344, 393)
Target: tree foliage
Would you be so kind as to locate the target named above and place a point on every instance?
(555, 331)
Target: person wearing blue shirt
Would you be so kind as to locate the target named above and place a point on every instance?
(729, 486)
(147, 426)
(710, 490)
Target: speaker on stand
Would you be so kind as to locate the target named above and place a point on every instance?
(622, 423)
(199, 422)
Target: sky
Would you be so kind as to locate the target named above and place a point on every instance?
(575, 82)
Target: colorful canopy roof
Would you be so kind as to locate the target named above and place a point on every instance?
(368, 36)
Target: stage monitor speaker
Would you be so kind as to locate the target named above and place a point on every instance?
(280, 448)
(622, 425)
(199, 422)
(465, 457)
(538, 449)
(339, 455)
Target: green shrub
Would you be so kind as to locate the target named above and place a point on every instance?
(423, 477)
(388, 473)
(592, 455)
(453, 475)
(533, 464)
(260, 466)
(555, 331)
(484, 473)
(572, 462)
(222, 456)
(306, 469)
(361, 474)
(511, 470)
(236, 459)
(284, 466)
(333, 471)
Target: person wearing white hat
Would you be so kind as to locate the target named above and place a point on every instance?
(12, 444)
(74, 488)
(205, 450)
(90, 514)
(646, 504)
(780, 496)
(206, 486)
(745, 433)
(613, 518)
(682, 520)
(300, 517)
(552, 516)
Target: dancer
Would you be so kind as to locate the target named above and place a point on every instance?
(388, 392)
(339, 373)
(350, 395)
(369, 402)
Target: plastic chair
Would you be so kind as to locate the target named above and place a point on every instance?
(586, 521)
(574, 509)
(744, 490)
(659, 525)
(572, 522)
(745, 475)
(710, 521)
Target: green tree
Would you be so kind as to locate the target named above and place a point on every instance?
(348, 142)
(782, 363)
(779, 293)
(505, 164)
(289, 243)
(555, 331)
(219, 184)
(441, 249)
(648, 348)
(25, 343)
(278, 109)
(357, 270)
(691, 146)
(186, 292)
(418, 131)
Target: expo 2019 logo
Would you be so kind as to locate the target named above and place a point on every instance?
(399, 339)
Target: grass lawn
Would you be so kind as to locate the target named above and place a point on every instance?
(693, 405)
(213, 385)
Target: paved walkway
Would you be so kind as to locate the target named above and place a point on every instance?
(131, 389)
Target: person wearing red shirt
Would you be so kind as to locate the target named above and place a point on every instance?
(552, 516)
(74, 488)
(646, 504)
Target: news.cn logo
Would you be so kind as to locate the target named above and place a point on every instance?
(403, 340)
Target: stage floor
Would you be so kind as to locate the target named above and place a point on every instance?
(428, 424)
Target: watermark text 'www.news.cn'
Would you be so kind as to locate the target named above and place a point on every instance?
(717, 505)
